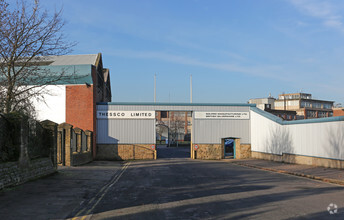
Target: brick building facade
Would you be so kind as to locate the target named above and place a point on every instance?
(85, 83)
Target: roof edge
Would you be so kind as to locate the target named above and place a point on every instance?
(278, 120)
(176, 104)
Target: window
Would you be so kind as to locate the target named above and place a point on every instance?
(163, 114)
(305, 104)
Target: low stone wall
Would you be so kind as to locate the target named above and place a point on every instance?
(243, 151)
(291, 158)
(11, 174)
(216, 151)
(80, 158)
(125, 152)
(209, 151)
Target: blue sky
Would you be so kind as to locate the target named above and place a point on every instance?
(234, 49)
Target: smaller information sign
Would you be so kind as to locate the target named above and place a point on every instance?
(222, 115)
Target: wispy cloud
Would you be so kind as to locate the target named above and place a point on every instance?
(323, 10)
(274, 72)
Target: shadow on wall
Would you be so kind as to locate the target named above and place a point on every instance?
(279, 141)
(335, 136)
(107, 149)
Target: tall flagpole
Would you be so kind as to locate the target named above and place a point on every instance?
(191, 88)
(154, 87)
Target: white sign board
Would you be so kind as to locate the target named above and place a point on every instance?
(222, 115)
(126, 114)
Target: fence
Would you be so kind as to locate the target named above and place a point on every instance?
(39, 143)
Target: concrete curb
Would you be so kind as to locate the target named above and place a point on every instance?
(328, 180)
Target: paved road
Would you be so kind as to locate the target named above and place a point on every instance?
(172, 152)
(194, 189)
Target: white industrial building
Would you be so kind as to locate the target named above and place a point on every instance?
(128, 129)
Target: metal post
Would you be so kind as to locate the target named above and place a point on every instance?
(191, 88)
(154, 88)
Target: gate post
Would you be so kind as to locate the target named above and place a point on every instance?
(66, 147)
(52, 128)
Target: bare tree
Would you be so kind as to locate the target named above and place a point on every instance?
(177, 126)
(160, 128)
(27, 35)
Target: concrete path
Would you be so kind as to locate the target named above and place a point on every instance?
(58, 195)
(330, 175)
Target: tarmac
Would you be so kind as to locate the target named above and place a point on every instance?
(59, 196)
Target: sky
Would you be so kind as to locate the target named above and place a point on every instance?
(235, 50)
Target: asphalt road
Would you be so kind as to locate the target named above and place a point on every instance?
(181, 188)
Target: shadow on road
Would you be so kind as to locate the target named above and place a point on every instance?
(173, 152)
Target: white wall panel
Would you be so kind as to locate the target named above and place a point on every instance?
(53, 107)
(322, 139)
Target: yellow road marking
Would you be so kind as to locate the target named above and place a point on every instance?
(105, 189)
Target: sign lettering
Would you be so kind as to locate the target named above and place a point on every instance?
(126, 114)
(222, 115)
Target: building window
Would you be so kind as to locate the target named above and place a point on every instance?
(163, 114)
(311, 114)
(305, 104)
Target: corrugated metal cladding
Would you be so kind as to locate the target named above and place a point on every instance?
(125, 131)
(142, 131)
(211, 131)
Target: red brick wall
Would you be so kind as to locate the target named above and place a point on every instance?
(81, 108)
(338, 112)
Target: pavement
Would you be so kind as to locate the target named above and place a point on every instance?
(59, 195)
(330, 175)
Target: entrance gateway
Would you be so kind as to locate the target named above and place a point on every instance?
(128, 130)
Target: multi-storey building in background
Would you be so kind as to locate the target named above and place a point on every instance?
(304, 105)
(263, 103)
(295, 106)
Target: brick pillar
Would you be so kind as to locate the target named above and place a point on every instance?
(51, 127)
(89, 140)
(67, 128)
(78, 132)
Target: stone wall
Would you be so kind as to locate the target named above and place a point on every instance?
(242, 151)
(209, 152)
(12, 174)
(80, 158)
(298, 159)
(125, 152)
(216, 151)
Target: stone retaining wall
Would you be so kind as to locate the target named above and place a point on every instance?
(80, 158)
(11, 174)
(125, 152)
